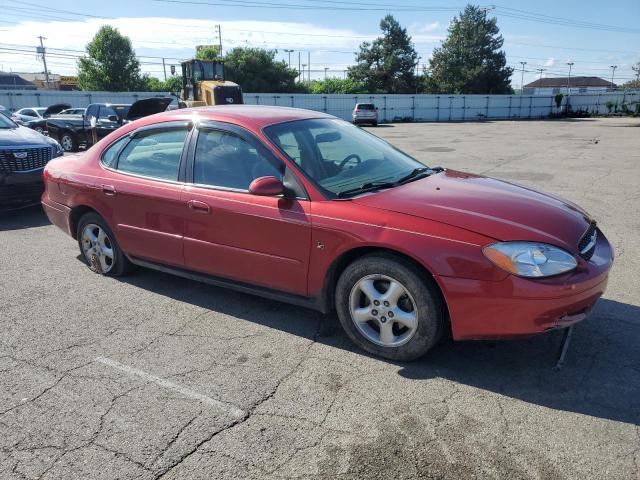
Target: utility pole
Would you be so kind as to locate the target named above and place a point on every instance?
(219, 29)
(637, 70)
(309, 64)
(289, 52)
(417, 73)
(325, 73)
(303, 79)
(569, 87)
(522, 78)
(613, 72)
(164, 69)
(42, 52)
(299, 68)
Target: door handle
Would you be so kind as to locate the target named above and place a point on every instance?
(108, 190)
(198, 206)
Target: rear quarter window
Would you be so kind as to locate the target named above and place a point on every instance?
(110, 155)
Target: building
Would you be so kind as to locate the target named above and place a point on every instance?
(13, 81)
(555, 85)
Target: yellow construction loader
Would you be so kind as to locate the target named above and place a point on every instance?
(203, 84)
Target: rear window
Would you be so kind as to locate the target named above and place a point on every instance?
(366, 106)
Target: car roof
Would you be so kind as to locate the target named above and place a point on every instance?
(254, 116)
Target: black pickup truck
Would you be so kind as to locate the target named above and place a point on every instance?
(74, 131)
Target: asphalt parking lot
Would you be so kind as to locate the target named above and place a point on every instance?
(154, 376)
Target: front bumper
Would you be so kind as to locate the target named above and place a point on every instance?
(517, 307)
(20, 190)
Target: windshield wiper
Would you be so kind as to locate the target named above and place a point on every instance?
(365, 187)
(414, 174)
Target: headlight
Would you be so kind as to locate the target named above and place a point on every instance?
(530, 259)
(57, 148)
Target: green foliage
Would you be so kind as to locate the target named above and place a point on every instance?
(172, 84)
(470, 59)
(631, 85)
(257, 71)
(337, 85)
(208, 52)
(558, 99)
(387, 64)
(111, 64)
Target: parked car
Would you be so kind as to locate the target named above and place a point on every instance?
(39, 124)
(365, 113)
(301, 207)
(73, 111)
(23, 155)
(74, 131)
(28, 114)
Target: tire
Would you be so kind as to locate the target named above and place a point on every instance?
(421, 299)
(374, 124)
(39, 130)
(68, 142)
(89, 241)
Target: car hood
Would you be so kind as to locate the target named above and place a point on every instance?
(56, 108)
(490, 207)
(15, 137)
(148, 106)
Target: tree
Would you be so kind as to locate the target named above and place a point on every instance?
(337, 85)
(470, 59)
(172, 84)
(208, 52)
(256, 70)
(631, 85)
(110, 64)
(387, 64)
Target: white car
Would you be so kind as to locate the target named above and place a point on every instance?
(28, 114)
(365, 113)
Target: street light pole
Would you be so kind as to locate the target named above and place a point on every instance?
(289, 52)
(613, 72)
(569, 85)
(44, 59)
(522, 78)
(325, 73)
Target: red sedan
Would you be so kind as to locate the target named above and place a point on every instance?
(301, 207)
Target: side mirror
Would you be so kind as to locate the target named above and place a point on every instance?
(266, 186)
(112, 118)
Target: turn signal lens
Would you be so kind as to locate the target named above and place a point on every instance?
(530, 259)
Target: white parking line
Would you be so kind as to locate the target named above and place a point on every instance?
(134, 372)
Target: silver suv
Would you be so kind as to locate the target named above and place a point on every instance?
(365, 113)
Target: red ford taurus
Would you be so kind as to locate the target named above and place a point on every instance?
(302, 207)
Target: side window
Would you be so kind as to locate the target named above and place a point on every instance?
(225, 160)
(111, 154)
(29, 113)
(154, 154)
(288, 142)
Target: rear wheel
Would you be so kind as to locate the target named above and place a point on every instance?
(68, 142)
(388, 307)
(99, 247)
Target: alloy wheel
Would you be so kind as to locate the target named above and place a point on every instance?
(97, 248)
(383, 310)
(67, 143)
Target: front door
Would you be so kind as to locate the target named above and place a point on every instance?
(233, 234)
(142, 189)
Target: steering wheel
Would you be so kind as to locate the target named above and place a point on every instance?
(350, 157)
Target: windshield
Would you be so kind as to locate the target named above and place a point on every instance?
(6, 122)
(340, 157)
(40, 111)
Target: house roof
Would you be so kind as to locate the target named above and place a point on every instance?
(574, 82)
(13, 81)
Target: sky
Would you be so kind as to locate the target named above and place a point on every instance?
(545, 34)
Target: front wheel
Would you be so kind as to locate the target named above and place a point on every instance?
(99, 247)
(389, 307)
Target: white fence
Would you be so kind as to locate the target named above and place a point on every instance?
(446, 108)
(429, 108)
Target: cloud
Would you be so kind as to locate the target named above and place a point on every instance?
(173, 39)
(550, 62)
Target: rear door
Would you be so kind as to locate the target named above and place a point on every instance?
(230, 233)
(142, 184)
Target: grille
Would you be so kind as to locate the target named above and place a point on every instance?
(36, 157)
(587, 244)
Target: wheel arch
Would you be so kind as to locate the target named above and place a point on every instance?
(77, 213)
(338, 266)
